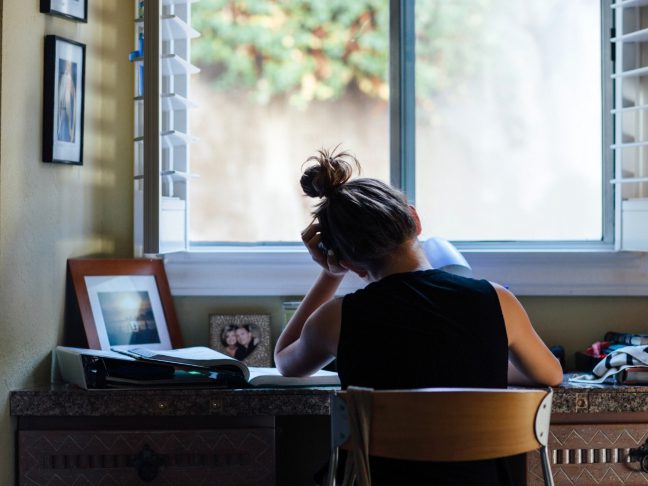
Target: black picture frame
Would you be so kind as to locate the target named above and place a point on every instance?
(63, 100)
(76, 10)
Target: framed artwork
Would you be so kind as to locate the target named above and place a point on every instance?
(76, 10)
(63, 100)
(125, 303)
(245, 337)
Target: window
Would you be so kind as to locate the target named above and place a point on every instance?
(509, 119)
(507, 122)
(493, 117)
(278, 81)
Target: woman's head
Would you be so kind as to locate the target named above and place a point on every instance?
(228, 336)
(361, 220)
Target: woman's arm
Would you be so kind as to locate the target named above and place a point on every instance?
(531, 362)
(310, 338)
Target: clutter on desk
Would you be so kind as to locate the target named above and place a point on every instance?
(612, 341)
(620, 357)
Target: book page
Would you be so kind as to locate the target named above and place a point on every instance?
(272, 377)
(196, 353)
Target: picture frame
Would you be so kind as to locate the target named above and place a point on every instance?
(245, 337)
(76, 10)
(63, 100)
(124, 303)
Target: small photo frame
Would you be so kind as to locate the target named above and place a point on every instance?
(63, 100)
(76, 10)
(245, 337)
(124, 303)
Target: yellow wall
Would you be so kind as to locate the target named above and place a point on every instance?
(50, 212)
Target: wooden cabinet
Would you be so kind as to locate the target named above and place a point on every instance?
(244, 456)
(593, 430)
(274, 436)
(592, 454)
(68, 436)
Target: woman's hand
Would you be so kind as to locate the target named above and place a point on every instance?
(312, 237)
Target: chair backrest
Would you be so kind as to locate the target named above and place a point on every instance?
(450, 424)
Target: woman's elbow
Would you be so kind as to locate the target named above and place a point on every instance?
(280, 364)
(287, 364)
(554, 374)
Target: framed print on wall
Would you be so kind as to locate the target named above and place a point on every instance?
(70, 9)
(63, 100)
(245, 337)
(125, 303)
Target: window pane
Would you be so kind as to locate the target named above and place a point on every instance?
(508, 126)
(279, 80)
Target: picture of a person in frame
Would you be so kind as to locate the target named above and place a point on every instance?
(66, 103)
(246, 340)
(244, 337)
(128, 317)
(229, 341)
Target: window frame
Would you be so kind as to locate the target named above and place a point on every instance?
(555, 268)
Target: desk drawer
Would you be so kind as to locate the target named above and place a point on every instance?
(590, 454)
(227, 457)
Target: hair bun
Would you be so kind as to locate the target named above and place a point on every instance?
(330, 171)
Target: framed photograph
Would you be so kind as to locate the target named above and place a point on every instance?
(125, 303)
(76, 10)
(245, 337)
(63, 100)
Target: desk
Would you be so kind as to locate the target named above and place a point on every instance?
(277, 436)
(174, 437)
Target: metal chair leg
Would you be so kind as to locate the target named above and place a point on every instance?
(332, 468)
(546, 466)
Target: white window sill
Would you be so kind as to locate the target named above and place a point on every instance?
(289, 271)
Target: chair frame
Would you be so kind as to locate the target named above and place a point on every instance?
(447, 424)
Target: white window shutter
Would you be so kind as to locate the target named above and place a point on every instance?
(162, 138)
(631, 125)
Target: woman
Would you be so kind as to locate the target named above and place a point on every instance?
(229, 341)
(367, 227)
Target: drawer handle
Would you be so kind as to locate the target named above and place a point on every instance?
(640, 454)
(147, 463)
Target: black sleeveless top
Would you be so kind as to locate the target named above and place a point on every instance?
(426, 329)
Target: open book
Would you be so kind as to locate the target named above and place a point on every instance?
(209, 360)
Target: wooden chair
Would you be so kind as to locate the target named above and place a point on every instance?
(439, 424)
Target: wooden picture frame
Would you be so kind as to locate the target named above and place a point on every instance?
(63, 100)
(76, 10)
(124, 303)
(250, 334)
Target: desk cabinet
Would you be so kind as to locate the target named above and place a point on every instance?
(595, 454)
(193, 437)
(592, 433)
(275, 436)
(127, 457)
